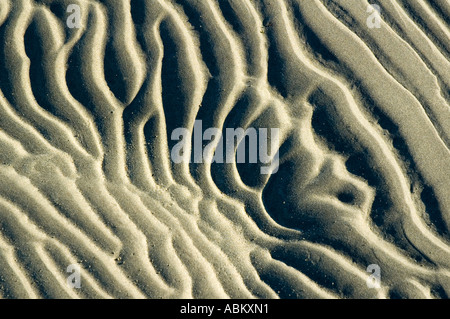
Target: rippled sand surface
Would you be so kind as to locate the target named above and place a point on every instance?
(86, 176)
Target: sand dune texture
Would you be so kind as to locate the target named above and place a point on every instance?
(86, 176)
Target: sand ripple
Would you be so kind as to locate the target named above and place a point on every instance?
(86, 176)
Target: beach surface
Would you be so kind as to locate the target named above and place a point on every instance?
(356, 200)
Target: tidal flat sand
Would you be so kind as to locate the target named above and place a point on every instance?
(92, 204)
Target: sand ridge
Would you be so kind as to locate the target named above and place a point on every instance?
(86, 175)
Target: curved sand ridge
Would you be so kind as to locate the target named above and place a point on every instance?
(86, 175)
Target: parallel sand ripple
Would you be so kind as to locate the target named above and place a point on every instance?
(86, 177)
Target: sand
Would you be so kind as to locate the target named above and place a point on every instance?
(87, 181)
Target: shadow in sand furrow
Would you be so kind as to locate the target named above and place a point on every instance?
(382, 100)
(413, 10)
(359, 163)
(418, 185)
(421, 45)
(275, 66)
(312, 41)
(58, 8)
(51, 98)
(175, 92)
(285, 280)
(239, 22)
(124, 66)
(213, 96)
(351, 188)
(209, 56)
(215, 52)
(442, 9)
(318, 266)
(114, 75)
(411, 78)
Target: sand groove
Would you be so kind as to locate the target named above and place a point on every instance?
(86, 176)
